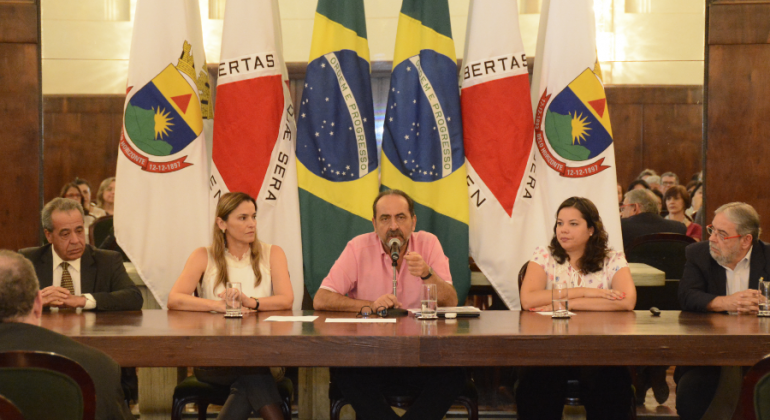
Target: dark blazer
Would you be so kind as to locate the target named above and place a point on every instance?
(102, 274)
(647, 224)
(104, 371)
(704, 279)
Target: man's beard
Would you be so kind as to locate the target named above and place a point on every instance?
(396, 234)
(723, 259)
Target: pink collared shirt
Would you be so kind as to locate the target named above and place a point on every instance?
(365, 271)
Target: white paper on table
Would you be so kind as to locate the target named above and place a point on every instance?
(551, 313)
(306, 318)
(363, 320)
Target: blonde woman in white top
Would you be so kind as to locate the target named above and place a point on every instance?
(237, 255)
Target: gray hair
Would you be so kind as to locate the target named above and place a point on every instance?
(58, 204)
(744, 216)
(644, 198)
(676, 177)
(18, 286)
(652, 179)
(646, 173)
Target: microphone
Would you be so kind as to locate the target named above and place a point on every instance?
(395, 248)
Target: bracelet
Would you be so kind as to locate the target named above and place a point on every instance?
(256, 306)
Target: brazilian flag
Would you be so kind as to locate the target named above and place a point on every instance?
(337, 162)
(422, 144)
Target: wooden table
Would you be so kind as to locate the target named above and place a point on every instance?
(154, 338)
(158, 338)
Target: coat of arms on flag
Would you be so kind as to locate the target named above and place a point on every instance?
(164, 116)
(576, 125)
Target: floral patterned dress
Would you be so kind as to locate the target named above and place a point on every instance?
(556, 273)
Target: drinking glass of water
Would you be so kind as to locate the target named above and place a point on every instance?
(429, 300)
(764, 298)
(559, 300)
(233, 300)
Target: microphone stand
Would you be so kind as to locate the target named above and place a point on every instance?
(396, 312)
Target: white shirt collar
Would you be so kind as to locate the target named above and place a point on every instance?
(74, 264)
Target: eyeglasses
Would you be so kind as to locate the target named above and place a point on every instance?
(623, 206)
(723, 237)
(367, 311)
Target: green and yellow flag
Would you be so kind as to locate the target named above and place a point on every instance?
(422, 144)
(336, 147)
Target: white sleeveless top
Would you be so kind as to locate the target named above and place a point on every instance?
(238, 271)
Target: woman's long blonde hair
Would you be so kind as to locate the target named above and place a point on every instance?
(102, 188)
(227, 204)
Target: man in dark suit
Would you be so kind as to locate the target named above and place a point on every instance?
(720, 275)
(73, 274)
(21, 307)
(640, 217)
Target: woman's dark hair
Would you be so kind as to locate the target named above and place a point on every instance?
(638, 182)
(81, 181)
(67, 187)
(596, 247)
(678, 191)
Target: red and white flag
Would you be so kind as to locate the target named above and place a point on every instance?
(498, 132)
(254, 130)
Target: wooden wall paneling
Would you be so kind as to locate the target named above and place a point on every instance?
(663, 111)
(738, 107)
(81, 139)
(20, 124)
(19, 22)
(739, 23)
(626, 121)
(672, 138)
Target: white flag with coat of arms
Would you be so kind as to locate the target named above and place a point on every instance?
(162, 200)
(573, 134)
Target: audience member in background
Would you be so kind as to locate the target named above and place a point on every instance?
(21, 307)
(668, 180)
(601, 281)
(620, 194)
(639, 217)
(720, 275)
(88, 206)
(72, 192)
(646, 173)
(696, 200)
(690, 187)
(638, 184)
(677, 201)
(658, 197)
(653, 181)
(237, 255)
(73, 274)
(105, 197)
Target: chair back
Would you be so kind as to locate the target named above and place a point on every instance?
(664, 251)
(47, 386)
(8, 410)
(99, 230)
(754, 401)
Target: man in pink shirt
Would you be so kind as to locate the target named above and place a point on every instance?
(364, 270)
(362, 276)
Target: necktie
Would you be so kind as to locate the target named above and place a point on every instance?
(66, 278)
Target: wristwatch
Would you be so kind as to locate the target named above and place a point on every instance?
(256, 306)
(430, 274)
